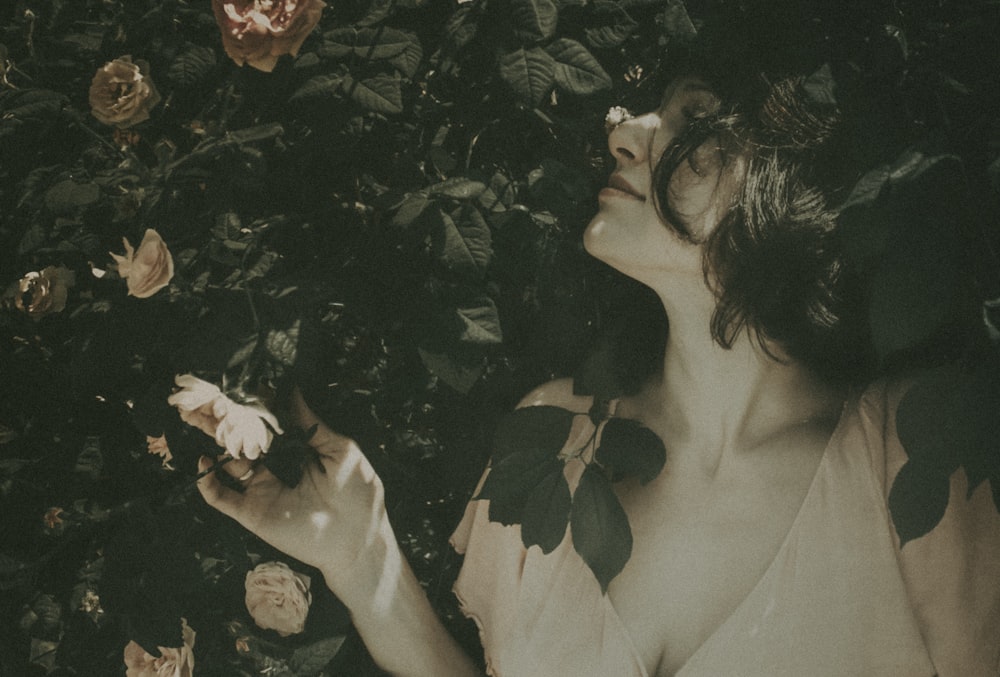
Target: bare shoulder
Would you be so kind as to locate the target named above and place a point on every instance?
(557, 393)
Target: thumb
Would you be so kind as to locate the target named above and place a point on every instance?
(225, 500)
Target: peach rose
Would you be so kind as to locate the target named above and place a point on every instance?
(42, 293)
(278, 598)
(173, 661)
(257, 32)
(122, 94)
(148, 269)
(158, 446)
(239, 428)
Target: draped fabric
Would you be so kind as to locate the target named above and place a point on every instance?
(840, 597)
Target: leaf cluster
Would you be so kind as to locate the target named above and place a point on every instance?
(527, 482)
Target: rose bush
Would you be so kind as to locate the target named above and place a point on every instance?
(148, 269)
(40, 293)
(244, 430)
(172, 661)
(122, 93)
(257, 32)
(278, 598)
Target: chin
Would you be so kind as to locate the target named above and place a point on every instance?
(595, 236)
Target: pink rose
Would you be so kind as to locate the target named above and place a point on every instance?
(148, 269)
(278, 598)
(173, 661)
(121, 93)
(257, 32)
(240, 428)
(42, 293)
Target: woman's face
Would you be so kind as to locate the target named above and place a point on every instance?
(627, 231)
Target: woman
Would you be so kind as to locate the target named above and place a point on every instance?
(765, 546)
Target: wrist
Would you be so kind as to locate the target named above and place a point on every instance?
(358, 579)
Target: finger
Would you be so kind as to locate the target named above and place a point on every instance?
(224, 500)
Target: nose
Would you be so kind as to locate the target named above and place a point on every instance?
(629, 141)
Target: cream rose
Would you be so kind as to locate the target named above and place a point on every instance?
(173, 661)
(122, 94)
(257, 32)
(240, 428)
(148, 269)
(42, 293)
(278, 598)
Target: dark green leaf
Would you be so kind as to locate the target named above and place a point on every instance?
(458, 188)
(937, 419)
(612, 34)
(312, 658)
(410, 209)
(191, 65)
(600, 528)
(631, 449)
(67, 196)
(480, 324)
(918, 499)
(90, 461)
(462, 26)
(534, 20)
(320, 85)
(676, 22)
(510, 482)
(529, 72)
(31, 104)
(462, 242)
(913, 296)
(408, 61)
(540, 430)
(576, 70)
(546, 512)
(821, 87)
(368, 43)
(456, 374)
(381, 93)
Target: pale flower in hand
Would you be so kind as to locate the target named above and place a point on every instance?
(278, 598)
(173, 661)
(148, 269)
(244, 430)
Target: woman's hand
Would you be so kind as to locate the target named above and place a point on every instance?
(335, 518)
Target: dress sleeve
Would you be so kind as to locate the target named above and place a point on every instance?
(952, 573)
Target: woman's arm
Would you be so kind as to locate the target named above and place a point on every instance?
(335, 520)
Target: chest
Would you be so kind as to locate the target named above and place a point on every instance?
(700, 548)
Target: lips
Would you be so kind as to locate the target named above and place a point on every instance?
(618, 184)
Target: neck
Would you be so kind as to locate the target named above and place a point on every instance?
(727, 399)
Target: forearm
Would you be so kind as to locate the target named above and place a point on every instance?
(395, 619)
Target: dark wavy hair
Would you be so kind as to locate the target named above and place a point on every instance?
(775, 259)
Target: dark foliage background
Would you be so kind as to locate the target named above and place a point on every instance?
(391, 220)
